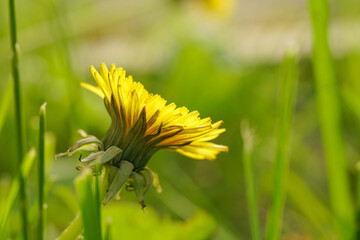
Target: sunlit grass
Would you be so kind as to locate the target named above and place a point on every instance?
(330, 119)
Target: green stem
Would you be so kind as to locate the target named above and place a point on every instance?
(330, 120)
(18, 115)
(41, 171)
(248, 139)
(288, 90)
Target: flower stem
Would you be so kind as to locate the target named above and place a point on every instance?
(18, 115)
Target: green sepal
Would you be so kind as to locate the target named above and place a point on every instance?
(122, 175)
(150, 181)
(85, 141)
(107, 156)
(139, 186)
(92, 156)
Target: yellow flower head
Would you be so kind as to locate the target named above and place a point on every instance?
(142, 123)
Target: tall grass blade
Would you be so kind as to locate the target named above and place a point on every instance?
(183, 207)
(288, 89)
(358, 200)
(316, 212)
(89, 205)
(4, 104)
(108, 229)
(18, 114)
(74, 229)
(41, 171)
(12, 196)
(248, 139)
(330, 122)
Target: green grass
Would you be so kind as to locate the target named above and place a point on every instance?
(41, 171)
(330, 119)
(89, 205)
(248, 139)
(74, 229)
(288, 85)
(317, 213)
(357, 201)
(18, 115)
(13, 194)
(4, 104)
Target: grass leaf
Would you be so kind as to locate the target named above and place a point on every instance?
(89, 205)
(248, 139)
(330, 119)
(12, 196)
(41, 171)
(288, 90)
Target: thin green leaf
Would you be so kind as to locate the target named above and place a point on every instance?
(310, 205)
(5, 103)
(330, 120)
(288, 90)
(12, 196)
(108, 229)
(88, 205)
(248, 139)
(18, 115)
(41, 171)
(74, 229)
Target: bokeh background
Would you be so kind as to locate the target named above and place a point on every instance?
(220, 57)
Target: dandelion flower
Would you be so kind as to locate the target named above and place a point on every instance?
(143, 123)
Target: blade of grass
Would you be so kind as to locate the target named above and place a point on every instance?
(4, 104)
(248, 139)
(7, 208)
(74, 229)
(18, 114)
(88, 205)
(358, 200)
(330, 122)
(183, 207)
(303, 198)
(108, 229)
(288, 90)
(41, 171)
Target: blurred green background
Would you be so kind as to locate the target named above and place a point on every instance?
(221, 58)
